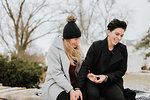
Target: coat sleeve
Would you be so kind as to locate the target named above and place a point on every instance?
(87, 63)
(118, 74)
(55, 69)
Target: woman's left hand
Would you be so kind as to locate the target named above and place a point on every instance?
(92, 77)
(101, 78)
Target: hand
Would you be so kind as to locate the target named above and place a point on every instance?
(72, 95)
(92, 77)
(79, 94)
(100, 79)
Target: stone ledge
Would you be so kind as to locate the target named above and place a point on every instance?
(7, 93)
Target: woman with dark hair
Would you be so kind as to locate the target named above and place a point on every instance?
(105, 64)
(64, 62)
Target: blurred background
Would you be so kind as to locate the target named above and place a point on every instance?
(28, 27)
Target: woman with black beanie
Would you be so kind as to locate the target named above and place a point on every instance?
(64, 62)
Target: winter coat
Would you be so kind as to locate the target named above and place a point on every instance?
(57, 78)
(95, 64)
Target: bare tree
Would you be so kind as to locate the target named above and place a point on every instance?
(86, 17)
(84, 13)
(22, 24)
(104, 9)
(93, 16)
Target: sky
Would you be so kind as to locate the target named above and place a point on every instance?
(137, 27)
(139, 22)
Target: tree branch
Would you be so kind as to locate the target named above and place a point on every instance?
(35, 11)
(9, 12)
(20, 12)
(5, 8)
(40, 36)
(4, 41)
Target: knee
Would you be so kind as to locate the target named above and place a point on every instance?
(94, 95)
(118, 97)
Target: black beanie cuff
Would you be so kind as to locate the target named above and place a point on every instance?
(71, 36)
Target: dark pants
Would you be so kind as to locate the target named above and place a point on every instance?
(110, 92)
(63, 96)
(66, 96)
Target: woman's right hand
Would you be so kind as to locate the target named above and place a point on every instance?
(79, 94)
(92, 77)
(72, 94)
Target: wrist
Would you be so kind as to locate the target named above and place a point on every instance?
(87, 75)
(71, 90)
(106, 78)
(77, 88)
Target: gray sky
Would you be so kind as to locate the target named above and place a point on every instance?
(140, 21)
(138, 24)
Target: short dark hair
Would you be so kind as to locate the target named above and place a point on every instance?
(115, 23)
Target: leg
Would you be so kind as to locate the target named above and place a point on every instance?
(113, 92)
(93, 92)
(63, 96)
(84, 94)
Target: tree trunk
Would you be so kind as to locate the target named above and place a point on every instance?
(21, 52)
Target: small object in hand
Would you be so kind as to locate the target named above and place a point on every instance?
(98, 78)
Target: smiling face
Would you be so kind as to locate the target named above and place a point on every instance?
(74, 42)
(115, 36)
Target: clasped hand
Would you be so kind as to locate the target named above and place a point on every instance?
(74, 95)
(96, 78)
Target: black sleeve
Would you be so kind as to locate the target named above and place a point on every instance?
(87, 63)
(114, 76)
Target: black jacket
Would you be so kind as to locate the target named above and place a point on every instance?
(115, 69)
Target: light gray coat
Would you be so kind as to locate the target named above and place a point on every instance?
(57, 79)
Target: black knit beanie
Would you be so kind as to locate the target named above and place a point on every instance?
(71, 30)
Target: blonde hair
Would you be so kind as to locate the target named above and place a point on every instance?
(73, 54)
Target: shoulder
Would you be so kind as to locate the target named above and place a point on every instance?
(97, 43)
(52, 48)
(53, 51)
(121, 45)
(96, 46)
